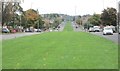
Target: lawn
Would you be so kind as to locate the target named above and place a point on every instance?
(60, 50)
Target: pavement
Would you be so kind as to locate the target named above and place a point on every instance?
(113, 37)
(16, 35)
(62, 25)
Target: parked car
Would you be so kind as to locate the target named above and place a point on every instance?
(97, 29)
(91, 29)
(119, 30)
(5, 30)
(13, 31)
(113, 28)
(107, 30)
(37, 30)
(28, 30)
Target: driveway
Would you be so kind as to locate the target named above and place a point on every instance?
(113, 37)
(16, 35)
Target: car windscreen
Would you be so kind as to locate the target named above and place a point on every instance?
(108, 28)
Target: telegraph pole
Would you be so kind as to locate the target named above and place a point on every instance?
(103, 4)
(118, 14)
(75, 15)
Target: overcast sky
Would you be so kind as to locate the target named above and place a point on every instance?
(70, 7)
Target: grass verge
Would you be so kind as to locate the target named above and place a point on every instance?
(60, 50)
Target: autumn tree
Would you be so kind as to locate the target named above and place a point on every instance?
(56, 22)
(31, 16)
(46, 23)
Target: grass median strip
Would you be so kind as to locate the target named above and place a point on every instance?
(67, 49)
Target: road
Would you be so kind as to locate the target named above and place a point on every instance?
(16, 35)
(113, 37)
(62, 25)
(78, 29)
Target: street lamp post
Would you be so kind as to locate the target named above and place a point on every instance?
(38, 21)
(75, 14)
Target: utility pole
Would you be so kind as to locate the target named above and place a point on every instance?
(2, 13)
(75, 14)
(38, 21)
(118, 18)
(103, 4)
(31, 4)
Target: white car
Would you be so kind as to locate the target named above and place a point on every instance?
(37, 30)
(119, 30)
(96, 29)
(91, 29)
(107, 30)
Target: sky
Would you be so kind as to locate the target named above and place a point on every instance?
(70, 7)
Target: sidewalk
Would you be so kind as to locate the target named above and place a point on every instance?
(16, 35)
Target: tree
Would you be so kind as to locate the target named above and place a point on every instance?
(56, 22)
(31, 16)
(79, 21)
(109, 16)
(95, 20)
(7, 13)
(39, 23)
(46, 23)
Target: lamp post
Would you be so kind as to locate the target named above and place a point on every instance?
(119, 13)
(75, 14)
(38, 22)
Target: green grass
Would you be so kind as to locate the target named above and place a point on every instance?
(0, 54)
(60, 50)
(68, 27)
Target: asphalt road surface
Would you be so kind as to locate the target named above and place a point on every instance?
(16, 35)
(113, 37)
(62, 25)
(76, 27)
